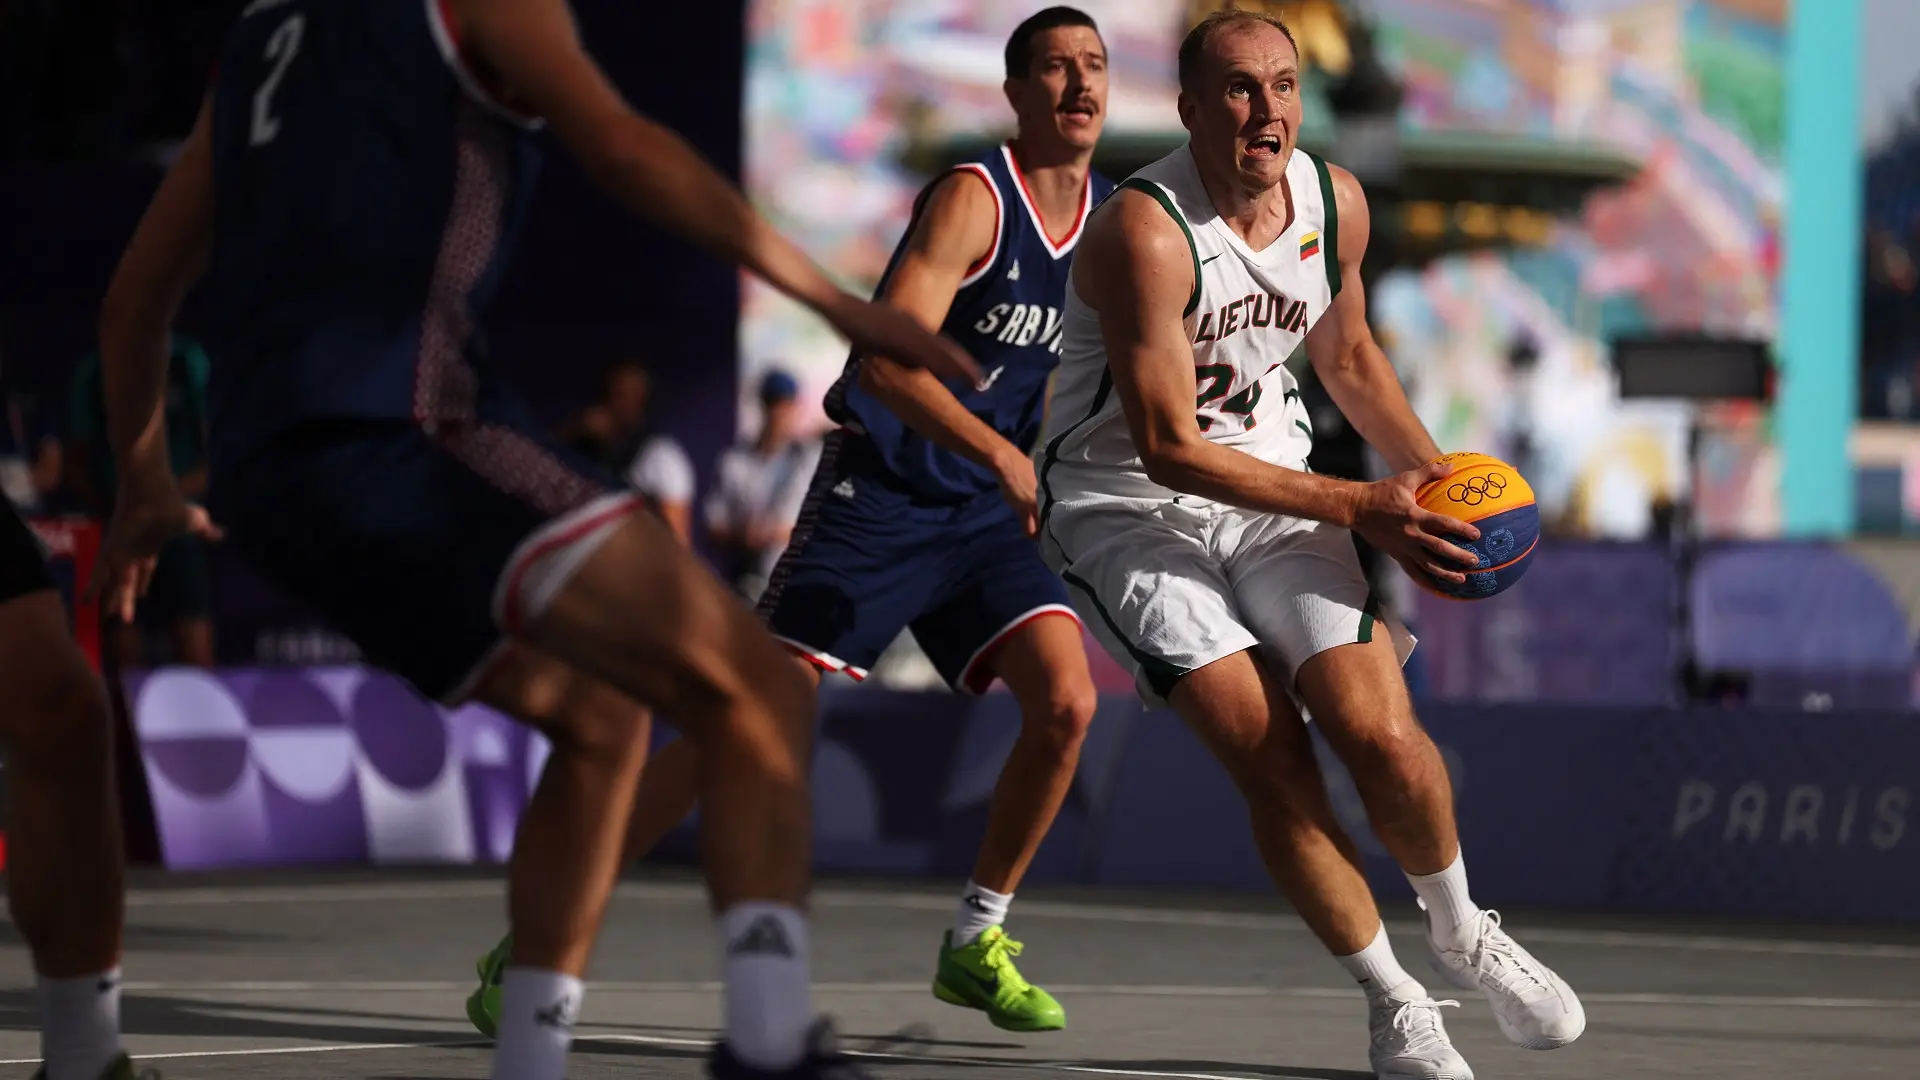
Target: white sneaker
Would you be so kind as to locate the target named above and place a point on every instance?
(1407, 1041)
(1535, 1007)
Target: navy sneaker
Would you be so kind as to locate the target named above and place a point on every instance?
(824, 1060)
(121, 1068)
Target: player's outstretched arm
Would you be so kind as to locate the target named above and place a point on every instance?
(1351, 365)
(533, 47)
(953, 231)
(166, 257)
(1134, 267)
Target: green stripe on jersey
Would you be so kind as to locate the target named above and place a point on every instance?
(1330, 231)
(1166, 203)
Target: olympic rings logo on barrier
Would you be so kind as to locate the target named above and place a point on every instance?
(1477, 489)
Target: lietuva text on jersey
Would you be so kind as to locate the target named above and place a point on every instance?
(1008, 314)
(367, 191)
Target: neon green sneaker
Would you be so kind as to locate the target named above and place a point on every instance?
(982, 976)
(121, 1069)
(483, 1005)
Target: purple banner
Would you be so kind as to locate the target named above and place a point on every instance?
(1730, 813)
(293, 766)
(1769, 624)
(1592, 623)
(1773, 815)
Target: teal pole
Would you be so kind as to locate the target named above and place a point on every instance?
(1819, 347)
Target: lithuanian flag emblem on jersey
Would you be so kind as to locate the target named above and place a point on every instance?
(1309, 246)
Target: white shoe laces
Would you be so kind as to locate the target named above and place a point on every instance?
(1418, 1023)
(1496, 958)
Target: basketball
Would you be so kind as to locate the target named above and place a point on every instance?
(1492, 496)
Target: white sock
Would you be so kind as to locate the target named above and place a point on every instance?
(1451, 909)
(1376, 967)
(769, 1003)
(80, 1025)
(980, 910)
(537, 1012)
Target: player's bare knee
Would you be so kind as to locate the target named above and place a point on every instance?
(1062, 719)
(1396, 756)
(578, 713)
(761, 723)
(604, 724)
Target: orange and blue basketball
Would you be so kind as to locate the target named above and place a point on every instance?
(1492, 496)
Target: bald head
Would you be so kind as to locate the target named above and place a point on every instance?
(1198, 47)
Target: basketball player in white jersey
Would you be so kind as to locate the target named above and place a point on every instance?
(1179, 509)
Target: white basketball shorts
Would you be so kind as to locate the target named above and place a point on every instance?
(1170, 586)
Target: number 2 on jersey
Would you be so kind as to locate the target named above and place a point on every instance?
(281, 49)
(1219, 380)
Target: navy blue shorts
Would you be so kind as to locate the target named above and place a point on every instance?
(869, 559)
(415, 544)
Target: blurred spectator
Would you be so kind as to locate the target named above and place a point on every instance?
(1890, 327)
(613, 431)
(180, 600)
(30, 458)
(1523, 362)
(760, 488)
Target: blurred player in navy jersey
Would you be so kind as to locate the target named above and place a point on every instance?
(921, 513)
(759, 487)
(350, 191)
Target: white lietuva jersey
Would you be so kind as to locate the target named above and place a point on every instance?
(1249, 313)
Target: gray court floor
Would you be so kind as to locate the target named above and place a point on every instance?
(363, 975)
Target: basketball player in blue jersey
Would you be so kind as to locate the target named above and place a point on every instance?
(921, 513)
(350, 190)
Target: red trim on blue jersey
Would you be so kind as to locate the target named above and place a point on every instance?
(999, 219)
(1060, 246)
(452, 24)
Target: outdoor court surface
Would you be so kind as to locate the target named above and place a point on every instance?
(363, 975)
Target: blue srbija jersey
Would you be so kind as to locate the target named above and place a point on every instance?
(367, 192)
(1007, 314)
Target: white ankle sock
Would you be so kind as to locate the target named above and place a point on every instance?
(1375, 966)
(537, 1012)
(981, 909)
(80, 1025)
(769, 1003)
(1451, 909)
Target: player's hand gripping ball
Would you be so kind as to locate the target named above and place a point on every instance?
(1496, 499)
